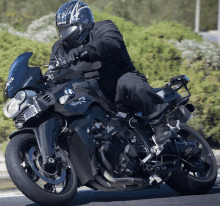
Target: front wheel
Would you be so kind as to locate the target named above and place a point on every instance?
(187, 182)
(54, 189)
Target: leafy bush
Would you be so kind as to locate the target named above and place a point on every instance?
(201, 64)
(149, 48)
(42, 29)
(10, 47)
(150, 51)
(140, 12)
(194, 51)
(204, 86)
(205, 90)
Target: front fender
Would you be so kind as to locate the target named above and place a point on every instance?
(45, 134)
(29, 130)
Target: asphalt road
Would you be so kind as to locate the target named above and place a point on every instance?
(152, 197)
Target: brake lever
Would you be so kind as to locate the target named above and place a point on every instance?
(82, 56)
(61, 64)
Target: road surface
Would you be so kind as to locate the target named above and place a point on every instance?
(152, 197)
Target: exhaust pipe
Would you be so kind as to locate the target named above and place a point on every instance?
(121, 188)
(122, 181)
(116, 183)
(104, 160)
(100, 187)
(116, 187)
(103, 182)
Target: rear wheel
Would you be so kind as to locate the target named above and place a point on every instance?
(24, 161)
(188, 182)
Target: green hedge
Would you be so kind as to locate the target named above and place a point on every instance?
(150, 53)
(10, 47)
(149, 48)
(205, 89)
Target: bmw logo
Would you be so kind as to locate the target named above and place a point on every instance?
(70, 92)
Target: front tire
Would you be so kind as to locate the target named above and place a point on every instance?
(185, 183)
(26, 180)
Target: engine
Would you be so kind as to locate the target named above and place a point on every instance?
(119, 148)
(120, 156)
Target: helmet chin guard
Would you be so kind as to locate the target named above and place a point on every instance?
(74, 20)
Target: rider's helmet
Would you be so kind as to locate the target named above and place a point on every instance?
(74, 20)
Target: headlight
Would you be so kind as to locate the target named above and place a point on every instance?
(16, 105)
(20, 97)
(11, 108)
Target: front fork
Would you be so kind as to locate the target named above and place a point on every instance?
(47, 137)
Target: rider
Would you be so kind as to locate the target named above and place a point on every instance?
(117, 77)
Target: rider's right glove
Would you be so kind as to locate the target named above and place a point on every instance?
(74, 54)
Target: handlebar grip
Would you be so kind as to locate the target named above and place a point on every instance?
(84, 55)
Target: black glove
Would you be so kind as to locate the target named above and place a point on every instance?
(74, 54)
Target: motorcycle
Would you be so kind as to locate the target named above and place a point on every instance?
(70, 135)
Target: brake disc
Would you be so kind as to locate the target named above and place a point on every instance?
(40, 173)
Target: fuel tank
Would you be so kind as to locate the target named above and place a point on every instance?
(77, 103)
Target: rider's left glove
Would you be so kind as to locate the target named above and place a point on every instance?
(74, 54)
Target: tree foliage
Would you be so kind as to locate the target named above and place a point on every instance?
(139, 12)
(150, 51)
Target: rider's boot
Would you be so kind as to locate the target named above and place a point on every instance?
(162, 131)
(163, 135)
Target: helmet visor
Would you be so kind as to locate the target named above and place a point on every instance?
(69, 33)
(60, 31)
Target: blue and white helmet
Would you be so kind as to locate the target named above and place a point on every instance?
(74, 20)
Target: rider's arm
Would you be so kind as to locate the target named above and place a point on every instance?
(106, 48)
(106, 44)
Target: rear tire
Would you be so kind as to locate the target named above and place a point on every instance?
(185, 183)
(26, 184)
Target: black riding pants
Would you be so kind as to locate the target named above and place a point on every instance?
(134, 92)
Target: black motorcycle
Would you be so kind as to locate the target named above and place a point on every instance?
(70, 135)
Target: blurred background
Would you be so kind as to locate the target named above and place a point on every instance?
(159, 35)
(139, 12)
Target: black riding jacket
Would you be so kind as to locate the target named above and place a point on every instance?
(105, 45)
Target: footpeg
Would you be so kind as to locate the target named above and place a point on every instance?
(173, 128)
(147, 158)
(154, 184)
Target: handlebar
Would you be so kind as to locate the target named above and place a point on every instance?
(83, 56)
(49, 75)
